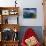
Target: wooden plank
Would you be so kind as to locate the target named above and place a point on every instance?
(10, 26)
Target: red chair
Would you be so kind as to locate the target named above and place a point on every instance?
(29, 33)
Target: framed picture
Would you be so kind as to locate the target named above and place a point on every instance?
(29, 12)
(5, 12)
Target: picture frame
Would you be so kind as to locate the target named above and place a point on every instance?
(5, 12)
(29, 13)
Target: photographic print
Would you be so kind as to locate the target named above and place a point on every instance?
(5, 12)
(29, 12)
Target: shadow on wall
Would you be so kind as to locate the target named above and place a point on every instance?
(37, 29)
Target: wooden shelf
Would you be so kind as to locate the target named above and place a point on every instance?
(10, 43)
(9, 26)
(6, 12)
(8, 8)
(14, 9)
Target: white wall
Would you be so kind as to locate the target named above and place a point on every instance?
(7, 3)
(27, 4)
(31, 4)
